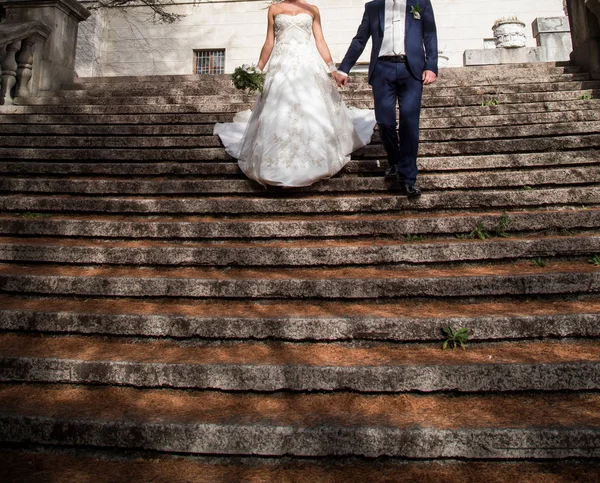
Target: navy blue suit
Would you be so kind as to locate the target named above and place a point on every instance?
(398, 82)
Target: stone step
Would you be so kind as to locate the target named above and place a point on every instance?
(453, 111)
(527, 69)
(519, 278)
(271, 366)
(172, 148)
(437, 181)
(215, 86)
(349, 204)
(299, 253)
(564, 221)
(119, 135)
(224, 169)
(184, 114)
(406, 320)
(351, 98)
(542, 425)
(80, 466)
(194, 93)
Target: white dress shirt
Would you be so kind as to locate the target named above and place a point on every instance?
(394, 32)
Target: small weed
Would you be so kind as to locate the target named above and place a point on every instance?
(586, 97)
(565, 232)
(480, 232)
(463, 236)
(595, 260)
(455, 338)
(500, 229)
(491, 102)
(34, 215)
(413, 238)
(539, 262)
(526, 188)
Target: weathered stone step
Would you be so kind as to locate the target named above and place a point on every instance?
(215, 86)
(196, 94)
(118, 135)
(41, 467)
(183, 115)
(412, 319)
(428, 181)
(453, 163)
(235, 107)
(297, 226)
(538, 68)
(417, 426)
(172, 148)
(521, 278)
(299, 253)
(272, 366)
(83, 467)
(367, 203)
(351, 97)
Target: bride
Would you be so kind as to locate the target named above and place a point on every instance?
(300, 130)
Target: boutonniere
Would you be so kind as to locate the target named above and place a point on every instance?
(416, 11)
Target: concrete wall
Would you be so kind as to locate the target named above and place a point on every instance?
(128, 43)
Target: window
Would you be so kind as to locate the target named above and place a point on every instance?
(209, 61)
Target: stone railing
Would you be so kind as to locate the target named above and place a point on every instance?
(20, 44)
(38, 39)
(585, 29)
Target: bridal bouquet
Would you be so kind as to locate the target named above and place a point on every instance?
(248, 77)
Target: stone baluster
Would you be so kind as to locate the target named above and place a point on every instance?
(24, 70)
(9, 73)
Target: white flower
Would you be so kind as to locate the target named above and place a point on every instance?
(417, 16)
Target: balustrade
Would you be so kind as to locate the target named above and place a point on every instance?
(37, 46)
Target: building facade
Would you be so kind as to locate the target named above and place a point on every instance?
(218, 35)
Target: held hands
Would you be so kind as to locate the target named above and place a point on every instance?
(340, 79)
(429, 77)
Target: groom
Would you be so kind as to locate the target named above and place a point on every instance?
(403, 58)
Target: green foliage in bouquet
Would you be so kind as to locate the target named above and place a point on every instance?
(248, 77)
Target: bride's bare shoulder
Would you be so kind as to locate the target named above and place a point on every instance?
(314, 10)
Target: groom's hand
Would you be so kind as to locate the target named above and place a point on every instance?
(429, 77)
(340, 79)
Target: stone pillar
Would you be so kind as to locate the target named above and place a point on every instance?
(584, 16)
(554, 34)
(58, 56)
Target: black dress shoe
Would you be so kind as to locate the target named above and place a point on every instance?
(409, 190)
(391, 172)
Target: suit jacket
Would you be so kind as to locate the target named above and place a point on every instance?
(421, 38)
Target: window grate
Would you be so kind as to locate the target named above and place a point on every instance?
(209, 62)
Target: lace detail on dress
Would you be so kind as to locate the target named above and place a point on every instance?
(300, 130)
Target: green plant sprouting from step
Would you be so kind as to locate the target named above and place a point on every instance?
(526, 188)
(539, 262)
(482, 233)
(412, 238)
(595, 260)
(455, 338)
(503, 224)
(491, 102)
(586, 97)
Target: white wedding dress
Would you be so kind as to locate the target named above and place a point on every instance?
(300, 131)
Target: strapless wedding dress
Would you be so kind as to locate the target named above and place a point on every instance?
(300, 131)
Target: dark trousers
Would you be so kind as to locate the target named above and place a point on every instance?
(393, 83)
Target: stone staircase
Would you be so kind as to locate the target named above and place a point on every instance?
(164, 319)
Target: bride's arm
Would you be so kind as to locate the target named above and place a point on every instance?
(265, 53)
(320, 40)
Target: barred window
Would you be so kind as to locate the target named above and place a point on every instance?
(209, 61)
